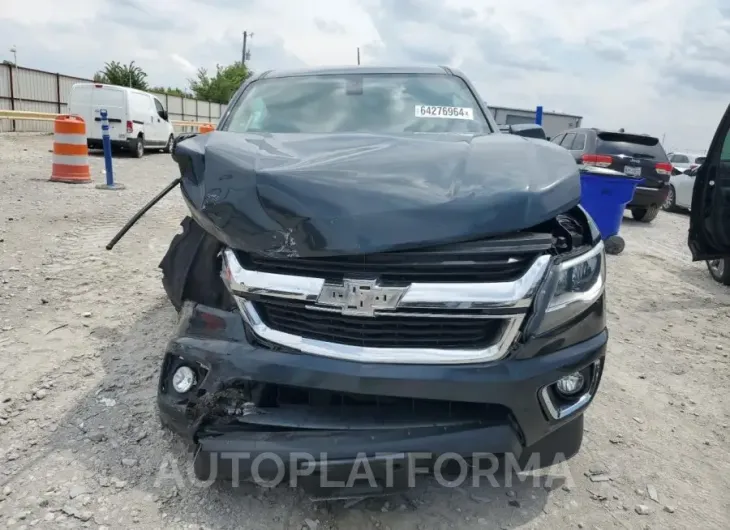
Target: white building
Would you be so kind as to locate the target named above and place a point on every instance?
(553, 122)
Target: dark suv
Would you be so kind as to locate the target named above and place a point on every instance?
(638, 155)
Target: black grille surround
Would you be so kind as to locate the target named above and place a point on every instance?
(380, 331)
(492, 260)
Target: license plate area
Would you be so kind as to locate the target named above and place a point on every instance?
(632, 171)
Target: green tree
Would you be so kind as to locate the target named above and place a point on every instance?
(115, 73)
(220, 87)
(171, 91)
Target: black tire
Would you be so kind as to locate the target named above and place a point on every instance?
(138, 147)
(191, 269)
(168, 146)
(614, 245)
(670, 204)
(645, 215)
(719, 270)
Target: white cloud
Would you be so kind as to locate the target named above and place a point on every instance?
(658, 67)
(185, 65)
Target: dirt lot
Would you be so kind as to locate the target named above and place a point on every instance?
(82, 332)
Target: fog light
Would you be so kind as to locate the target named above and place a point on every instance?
(570, 384)
(183, 379)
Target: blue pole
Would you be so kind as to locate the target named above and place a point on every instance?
(106, 140)
(538, 115)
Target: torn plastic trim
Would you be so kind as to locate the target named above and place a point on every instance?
(515, 294)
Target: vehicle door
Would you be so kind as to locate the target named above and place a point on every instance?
(162, 121)
(567, 140)
(153, 123)
(709, 222)
(112, 99)
(557, 139)
(80, 104)
(578, 147)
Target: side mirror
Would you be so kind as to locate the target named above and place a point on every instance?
(528, 130)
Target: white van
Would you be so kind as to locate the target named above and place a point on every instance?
(137, 120)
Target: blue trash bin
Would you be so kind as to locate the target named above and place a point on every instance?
(604, 193)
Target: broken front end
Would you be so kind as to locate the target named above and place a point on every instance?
(311, 364)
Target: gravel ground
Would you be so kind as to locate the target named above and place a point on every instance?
(82, 332)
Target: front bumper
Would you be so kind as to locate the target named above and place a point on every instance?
(645, 197)
(493, 408)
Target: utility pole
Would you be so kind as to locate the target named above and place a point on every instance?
(358, 56)
(245, 54)
(14, 51)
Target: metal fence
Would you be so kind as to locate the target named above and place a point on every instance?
(27, 89)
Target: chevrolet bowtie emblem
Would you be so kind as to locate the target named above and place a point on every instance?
(360, 297)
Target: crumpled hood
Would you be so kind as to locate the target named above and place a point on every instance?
(301, 195)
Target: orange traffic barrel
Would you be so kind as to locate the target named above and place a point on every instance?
(70, 152)
(206, 128)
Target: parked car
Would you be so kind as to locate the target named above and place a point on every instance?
(637, 155)
(709, 225)
(369, 266)
(681, 162)
(137, 119)
(680, 190)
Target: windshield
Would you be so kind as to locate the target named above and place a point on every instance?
(357, 103)
(634, 145)
(699, 160)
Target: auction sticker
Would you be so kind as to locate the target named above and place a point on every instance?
(458, 113)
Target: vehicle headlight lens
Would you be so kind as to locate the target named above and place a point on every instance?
(574, 286)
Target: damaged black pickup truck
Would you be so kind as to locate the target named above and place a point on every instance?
(371, 268)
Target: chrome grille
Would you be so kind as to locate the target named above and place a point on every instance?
(365, 318)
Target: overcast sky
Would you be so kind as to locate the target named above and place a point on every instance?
(650, 66)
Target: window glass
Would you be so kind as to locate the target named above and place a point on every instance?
(725, 152)
(633, 145)
(374, 103)
(568, 140)
(579, 144)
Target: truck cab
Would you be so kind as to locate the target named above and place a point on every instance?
(709, 227)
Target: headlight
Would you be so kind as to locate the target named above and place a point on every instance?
(573, 286)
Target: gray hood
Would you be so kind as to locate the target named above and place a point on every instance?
(302, 195)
